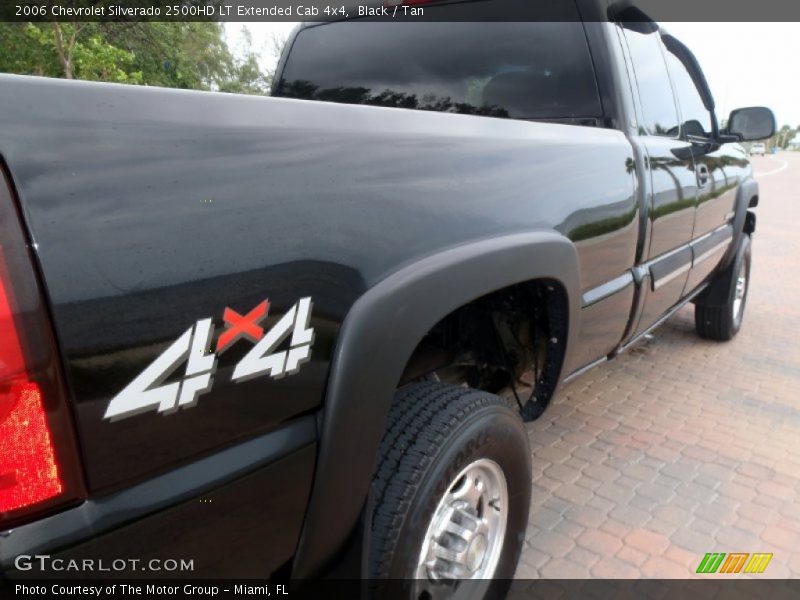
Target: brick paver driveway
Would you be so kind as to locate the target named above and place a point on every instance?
(683, 446)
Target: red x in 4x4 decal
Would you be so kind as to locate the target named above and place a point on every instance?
(242, 326)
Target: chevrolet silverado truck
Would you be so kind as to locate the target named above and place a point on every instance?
(299, 336)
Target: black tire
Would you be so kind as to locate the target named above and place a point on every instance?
(435, 430)
(717, 318)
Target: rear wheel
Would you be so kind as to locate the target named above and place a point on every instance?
(721, 320)
(451, 493)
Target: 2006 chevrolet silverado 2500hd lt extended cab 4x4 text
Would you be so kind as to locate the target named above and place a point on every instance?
(305, 311)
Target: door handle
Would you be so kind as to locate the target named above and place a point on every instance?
(702, 175)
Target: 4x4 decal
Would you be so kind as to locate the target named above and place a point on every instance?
(148, 391)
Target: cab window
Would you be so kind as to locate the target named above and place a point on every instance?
(696, 118)
(660, 114)
(532, 70)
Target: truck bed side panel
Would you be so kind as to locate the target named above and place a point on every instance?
(152, 209)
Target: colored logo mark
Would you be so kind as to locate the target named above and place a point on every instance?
(734, 562)
(240, 326)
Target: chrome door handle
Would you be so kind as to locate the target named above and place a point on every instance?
(702, 175)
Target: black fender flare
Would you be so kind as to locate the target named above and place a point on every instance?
(748, 189)
(717, 291)
(376, 340)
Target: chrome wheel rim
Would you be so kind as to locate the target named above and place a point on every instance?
(741, 291)
(465, 536)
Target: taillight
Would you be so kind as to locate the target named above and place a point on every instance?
(28, 462)
(38, 461)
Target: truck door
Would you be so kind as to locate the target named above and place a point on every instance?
(673, 185)
(718, 170)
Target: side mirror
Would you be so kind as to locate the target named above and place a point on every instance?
(753, 123)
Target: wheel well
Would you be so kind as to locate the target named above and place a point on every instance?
(373, 346)
(514, 336)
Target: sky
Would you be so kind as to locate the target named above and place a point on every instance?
(746, 64)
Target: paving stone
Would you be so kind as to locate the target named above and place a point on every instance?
(674, 514)
(615, 528)
(662, 568)
(569, 528)
(733, 539)
(655, 491)
(630, 515)
(778, 491)
(611, 568)
(561, 568)
(695, 491)
(709, 528)
(618, 494)
(583, 557)
(586, 516)
(632, 556)
(647, 541)
(629, 482)
(781, 537)
(551, 542)
(643, 503)
(692, 540)
(599, 542)
(533, 557)
(690, 560)
(590, 455)
(562, 473)
(557, 504)
(545, 518)
(526, 571)
(660, 526)
(602, 504)
(588, 482)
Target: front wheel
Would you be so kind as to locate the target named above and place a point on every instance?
(722, 320)
(451, 493)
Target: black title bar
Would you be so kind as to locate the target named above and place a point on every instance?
(399, 11)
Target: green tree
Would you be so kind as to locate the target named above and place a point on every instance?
(245, 75)
(27, 49)
(782, 137)
(97, 60)
(181, 55)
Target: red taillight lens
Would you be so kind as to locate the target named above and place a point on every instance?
(28, 469)
(38, 463)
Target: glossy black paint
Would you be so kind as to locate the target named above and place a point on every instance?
(151, 209)
(213, 476)
(152, 219)
(225, 532)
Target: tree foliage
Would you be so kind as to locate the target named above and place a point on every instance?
(783, 136)
(180, 55)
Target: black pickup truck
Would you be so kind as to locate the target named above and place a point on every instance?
(283, 337)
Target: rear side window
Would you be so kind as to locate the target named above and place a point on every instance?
(696, 118)
(655, 92)
(532, 70)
